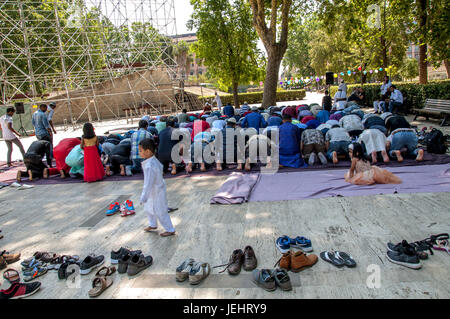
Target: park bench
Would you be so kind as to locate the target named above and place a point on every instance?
(434, 108)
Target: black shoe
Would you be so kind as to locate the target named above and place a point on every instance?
(116, 256)
(418, 247)
(406, 256)
(91, 262)
(138, 263)
(123, 263)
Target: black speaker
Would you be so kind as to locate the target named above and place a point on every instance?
(330, 78)
(20, 108)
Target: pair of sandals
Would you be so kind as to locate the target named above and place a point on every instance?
(193, 270)
(338, 258)
(101, 281)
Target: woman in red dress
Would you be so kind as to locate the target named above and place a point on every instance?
(93, 167)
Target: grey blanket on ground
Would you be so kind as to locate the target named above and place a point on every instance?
(236, 189)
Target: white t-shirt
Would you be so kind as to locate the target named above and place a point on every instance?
(218, 101)
(6, 132)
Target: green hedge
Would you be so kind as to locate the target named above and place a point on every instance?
(415, 93)
(257, 97)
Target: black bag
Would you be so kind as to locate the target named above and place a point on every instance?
(435, 142)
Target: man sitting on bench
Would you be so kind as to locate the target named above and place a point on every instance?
(396, 100)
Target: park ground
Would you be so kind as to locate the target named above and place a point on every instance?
(70, 219)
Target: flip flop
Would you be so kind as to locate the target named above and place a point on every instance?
(11, 275)
(33, 274)
(99, 285)
(105, 271)
(331, 258)
(346, 258)
(442, 245)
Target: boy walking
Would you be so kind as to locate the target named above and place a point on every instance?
(154, 196)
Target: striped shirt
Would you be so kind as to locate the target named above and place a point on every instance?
(136, 138)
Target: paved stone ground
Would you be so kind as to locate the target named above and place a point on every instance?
(69, 219)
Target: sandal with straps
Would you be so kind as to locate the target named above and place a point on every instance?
(11, 275)
(442, 244)
(99, 285)
(105, 271)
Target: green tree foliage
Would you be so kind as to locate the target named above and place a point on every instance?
(410, 69)
(227, 42)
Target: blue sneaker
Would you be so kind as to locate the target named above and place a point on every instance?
(283, 244)
(113, 209)
(301, 243)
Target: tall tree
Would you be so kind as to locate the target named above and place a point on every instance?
(275, 45)
(227, 43)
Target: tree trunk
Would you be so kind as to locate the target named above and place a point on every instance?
(235, 94)
(271, 81)
(384, 54)
(423, 70)
(447, 68)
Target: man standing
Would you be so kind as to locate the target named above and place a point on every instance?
(379, 106)
(41, 124)
(51, 111)
(6, 123)
(218, 101)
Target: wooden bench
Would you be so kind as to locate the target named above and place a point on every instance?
(434, 108)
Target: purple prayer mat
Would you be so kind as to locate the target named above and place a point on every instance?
(330, 183)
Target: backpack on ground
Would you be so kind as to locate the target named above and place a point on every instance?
(435, 142)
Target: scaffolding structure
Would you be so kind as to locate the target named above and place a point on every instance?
(50, 49)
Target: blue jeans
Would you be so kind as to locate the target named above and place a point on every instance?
(393, 105)
(136, 167)
(406, 140)
(340, 147)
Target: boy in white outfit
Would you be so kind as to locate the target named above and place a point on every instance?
(153, 195)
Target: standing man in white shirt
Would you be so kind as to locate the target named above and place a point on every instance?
(396, 99)
(379, 106)
(9, 134)
(218, 101)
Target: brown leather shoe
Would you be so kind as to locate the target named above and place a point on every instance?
(235, 263)
(285, 261)
(250, 261)
(9, 257)
(300, 260)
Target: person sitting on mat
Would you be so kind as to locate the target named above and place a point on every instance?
(375, 142)
(290, 137)
(312, 145)
(337, 142)
(118, 159)
(61, 151)
(362, 173)
(33, 161)
(404, 138)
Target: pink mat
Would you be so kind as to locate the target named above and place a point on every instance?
(330, 183)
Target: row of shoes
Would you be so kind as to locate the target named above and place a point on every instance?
(240, 259)
(410, 254)
(285, 243)
(195, 271)
(130, 261)
(126, 208)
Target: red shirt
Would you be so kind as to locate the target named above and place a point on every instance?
(307, 119)
(61, 151)
(199, 126)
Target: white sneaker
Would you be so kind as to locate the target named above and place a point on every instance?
(15, 184)
(312, 159)
(25, 186)
(323, 159)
